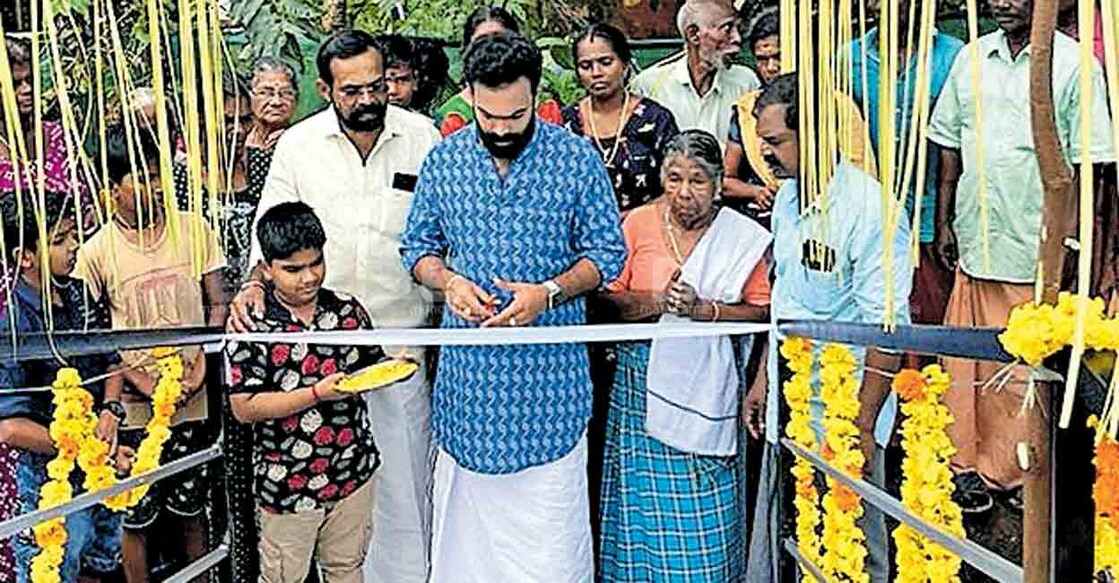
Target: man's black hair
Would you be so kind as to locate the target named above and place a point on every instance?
(767, 25)
(24, 234)
(346, 44)
(502, 58)
(287, 229)
(783, 90)
(486, 14)
(607, 33)
(144, 150)
(19, 50)
(397, 50)
(431, 69)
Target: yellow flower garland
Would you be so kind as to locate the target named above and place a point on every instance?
(927, 486)
(167, 393)
(844, 541)
(1105, 493)
(73, 417)
(798, 392)
(1035, 332)
(73, 431)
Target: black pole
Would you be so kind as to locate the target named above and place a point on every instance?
(1071, 473)
(218, 522)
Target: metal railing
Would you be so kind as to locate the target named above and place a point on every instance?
(46, 346)
(976, 343)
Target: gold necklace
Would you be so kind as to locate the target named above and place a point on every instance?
(672, 238)
(608, 158)
(679, 256)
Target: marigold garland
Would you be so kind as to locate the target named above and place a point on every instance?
(166, 396)
(73, 417)
(1105, 493)
(844, 541)
(73, 431)
(1035, 332)
(927, 487)
(798, 392)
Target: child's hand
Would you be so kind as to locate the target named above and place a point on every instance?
(327, 389)
(123, 460)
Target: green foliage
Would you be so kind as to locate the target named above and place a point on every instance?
(443, 19)
(559, 80)
(278, 28)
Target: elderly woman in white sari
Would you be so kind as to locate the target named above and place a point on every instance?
(671, 502)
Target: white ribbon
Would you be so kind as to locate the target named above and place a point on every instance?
(506, 336)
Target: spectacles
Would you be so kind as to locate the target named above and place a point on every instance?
(269, 94)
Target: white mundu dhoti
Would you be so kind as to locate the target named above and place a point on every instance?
(533, 525)
(400, 417)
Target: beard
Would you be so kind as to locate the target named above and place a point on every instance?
(775, 165)
(717, 60)
(507, 146)
(364, 118)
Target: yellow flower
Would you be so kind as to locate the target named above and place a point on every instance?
(44, 567)
(118, 502)
(67, 378)
(50, 533)
(99, 478)
(59, 468)
(54, 493)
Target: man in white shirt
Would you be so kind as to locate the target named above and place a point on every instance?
(700, 86)
(356, 163)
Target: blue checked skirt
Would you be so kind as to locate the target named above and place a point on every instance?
(667, 515)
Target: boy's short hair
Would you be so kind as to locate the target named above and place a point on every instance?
(288, 228)
(24, 234)
(143, 150)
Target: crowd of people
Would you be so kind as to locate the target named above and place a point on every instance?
(669, 195)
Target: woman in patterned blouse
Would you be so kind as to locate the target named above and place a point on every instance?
(630, 132)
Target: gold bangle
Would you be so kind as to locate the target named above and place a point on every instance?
(715, 307)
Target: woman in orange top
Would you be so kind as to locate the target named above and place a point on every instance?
(674, 406)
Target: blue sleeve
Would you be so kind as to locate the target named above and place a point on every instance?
(423, 234)
(597, 235)
(12, 377)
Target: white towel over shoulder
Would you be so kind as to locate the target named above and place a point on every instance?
(692, 401)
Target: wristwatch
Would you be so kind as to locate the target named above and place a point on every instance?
(555, 293)
(115, 408)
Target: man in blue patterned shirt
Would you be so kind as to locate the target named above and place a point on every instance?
(513, 221)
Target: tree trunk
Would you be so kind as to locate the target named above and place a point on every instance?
(1059, 206)
(334, 16)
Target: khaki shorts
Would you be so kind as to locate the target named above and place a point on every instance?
(336, 536)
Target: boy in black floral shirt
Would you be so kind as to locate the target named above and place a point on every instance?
(314, 453)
